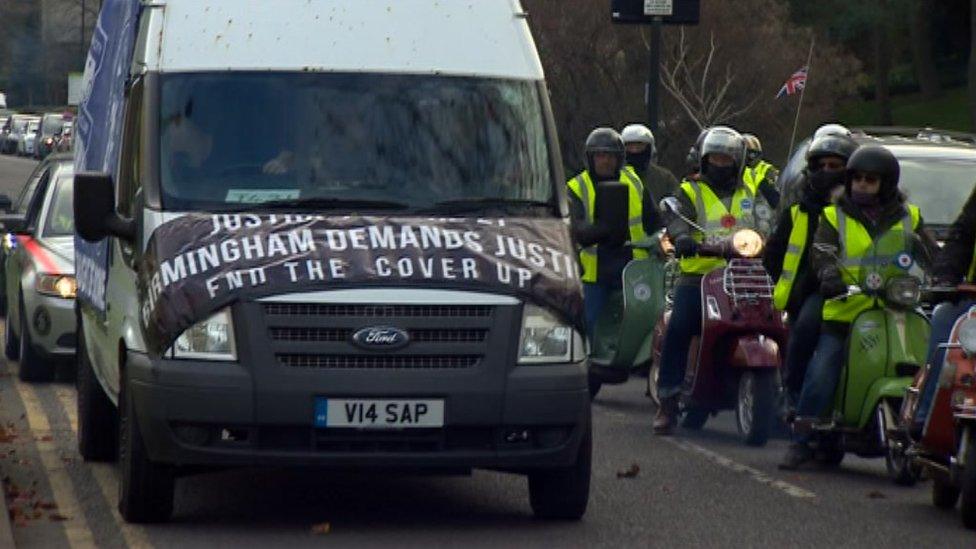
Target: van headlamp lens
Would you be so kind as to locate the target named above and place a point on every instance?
(211, 339)
(545, 339)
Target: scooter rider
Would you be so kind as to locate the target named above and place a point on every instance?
(870, 228)
(787, 257)
(641, 146)
(955, 263)
(720, 202)
(601, 258)
(759, 174)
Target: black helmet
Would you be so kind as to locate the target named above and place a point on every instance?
(830, 145)
(878, 160)
(605, 140)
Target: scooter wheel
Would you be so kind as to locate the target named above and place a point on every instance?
(968, 504)
(755, 406)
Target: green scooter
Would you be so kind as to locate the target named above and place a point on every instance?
(887, 345)
(621, 338)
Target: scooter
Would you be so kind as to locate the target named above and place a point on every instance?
(946, 447)
(735, 363)
(885, 349)
(621, 341)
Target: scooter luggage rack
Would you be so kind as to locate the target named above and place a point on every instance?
(747, 280)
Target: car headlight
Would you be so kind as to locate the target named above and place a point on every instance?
(63, 286)
(546, 339)
(905, 291)
(210, 339)
(967, 336)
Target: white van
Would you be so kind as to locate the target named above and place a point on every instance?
(336, 235)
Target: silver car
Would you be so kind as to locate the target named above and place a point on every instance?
(39, 275)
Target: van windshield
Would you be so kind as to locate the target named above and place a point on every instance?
(230, 140)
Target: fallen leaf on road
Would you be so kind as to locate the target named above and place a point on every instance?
(45, 438)
(323, 528)
(58, 517)
(46, 505)
(629, 472)
(876, 495)
(666, 489)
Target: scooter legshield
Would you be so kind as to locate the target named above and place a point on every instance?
(883, 343)
(643, 303)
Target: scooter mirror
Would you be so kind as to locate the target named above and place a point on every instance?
(670, 204)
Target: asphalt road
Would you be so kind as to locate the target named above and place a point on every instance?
(701, 489)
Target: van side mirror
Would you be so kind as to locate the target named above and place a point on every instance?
(5, 203)
(94, 205)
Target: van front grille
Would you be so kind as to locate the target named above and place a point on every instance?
(384, 361)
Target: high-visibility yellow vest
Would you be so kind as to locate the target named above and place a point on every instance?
(862, 257)
(582, 186)
(791, 261)
(717, 220)
(752, 177)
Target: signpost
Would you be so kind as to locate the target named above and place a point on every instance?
(655, 13)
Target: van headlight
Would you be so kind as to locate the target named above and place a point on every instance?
(210, 339)
(967, 336)
(547, 340)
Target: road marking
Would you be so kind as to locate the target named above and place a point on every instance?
(76, 528)
(103, 473)
(755, 474)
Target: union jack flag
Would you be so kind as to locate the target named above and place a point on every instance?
(795, 83)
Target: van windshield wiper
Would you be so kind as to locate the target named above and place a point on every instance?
(484, 202)
(319, 203)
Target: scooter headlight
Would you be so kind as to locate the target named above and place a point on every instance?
(905, 291)
(967, 336)
(546, 339)
(747, 243)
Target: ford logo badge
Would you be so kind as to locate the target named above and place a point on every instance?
(381, 337)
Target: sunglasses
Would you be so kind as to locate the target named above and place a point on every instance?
(831, 165)
(866, 177)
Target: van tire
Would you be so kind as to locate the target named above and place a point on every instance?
(145, 488)
(595, 386)
(33, 367)
(97, 417)
(562, 494)
(10, 346)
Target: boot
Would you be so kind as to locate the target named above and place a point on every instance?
(667, 416)
(798, 454)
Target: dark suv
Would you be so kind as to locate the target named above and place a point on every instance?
(938, 169)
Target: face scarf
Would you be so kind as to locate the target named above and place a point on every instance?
(823, 182)
(640, 160)
(722, 177)
(869, 203)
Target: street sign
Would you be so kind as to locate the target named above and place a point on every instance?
(667, 12)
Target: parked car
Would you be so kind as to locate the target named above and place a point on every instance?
(39, 273)
(18, 125)
(63, 139)
(28, 139)
(4, 125)
(938, 169)
(44, 136)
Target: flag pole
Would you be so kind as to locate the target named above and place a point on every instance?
(799, 106)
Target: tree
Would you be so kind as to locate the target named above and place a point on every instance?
(972, 62)
(922, 56)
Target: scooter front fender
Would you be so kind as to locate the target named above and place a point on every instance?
(891, 388)
(755, 351)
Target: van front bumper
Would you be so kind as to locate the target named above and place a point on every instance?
(217, 414)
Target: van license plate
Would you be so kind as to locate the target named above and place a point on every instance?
(379, 414)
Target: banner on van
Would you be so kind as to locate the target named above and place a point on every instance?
(197, 264)
(98, 129)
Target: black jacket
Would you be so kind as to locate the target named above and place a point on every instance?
(952, 262)
(806, 282)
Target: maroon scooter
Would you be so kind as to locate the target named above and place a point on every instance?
(735, 363)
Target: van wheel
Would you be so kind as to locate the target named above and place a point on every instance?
(595, 386)
(563, 493)
(97, 418)
(755, 405)
(10, 344)
(944, 493)
(33, 367)
(145, 488)
(968, 504)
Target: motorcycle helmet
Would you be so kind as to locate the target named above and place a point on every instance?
(830, 145)
(723, 140)
(604, 140)
(753, 148)
(877, 160)
(831, 129)
(639, 133)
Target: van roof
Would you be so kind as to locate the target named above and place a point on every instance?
(452, 37)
